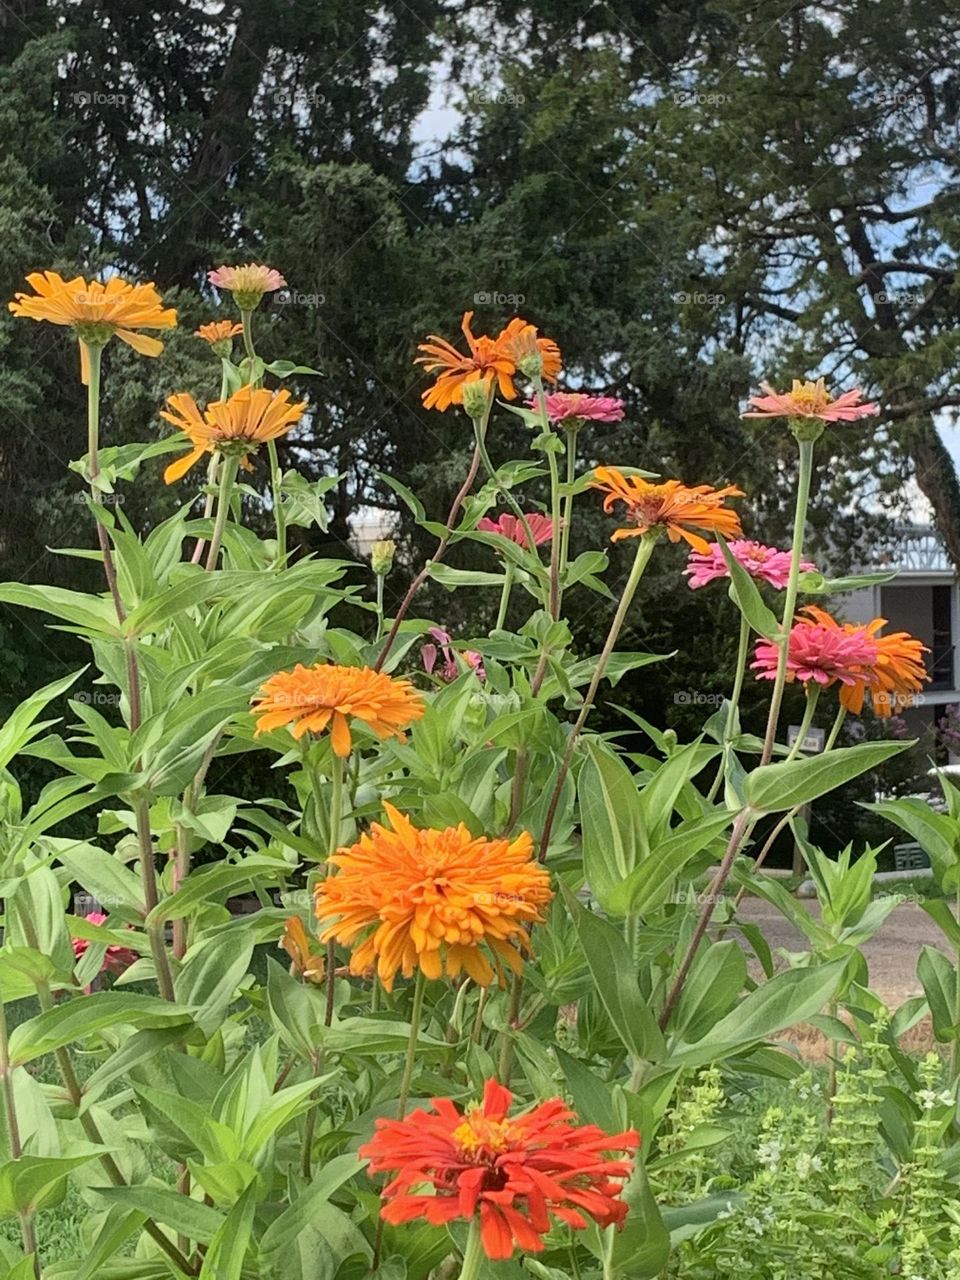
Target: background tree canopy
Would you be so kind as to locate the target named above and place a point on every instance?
(687, 197)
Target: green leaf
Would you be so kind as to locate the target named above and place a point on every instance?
(223, 879)
(210, 974)
(100, 873)
(640, 1250)
(186, 1216)
(784, 1000)
(282, 1233)
(648, 887)
(936, 833)
(611, 820)
(615, 975)
(746, 596)
(228, 1248)
(85, 1016)
(713, 984)
(30, 1183)
(91, 613)
(939, 980)
(788, 785)
(115, 1230)
(813, 583)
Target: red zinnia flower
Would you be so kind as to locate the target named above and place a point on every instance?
(509, 527)
(116, 959)
(513, 1173)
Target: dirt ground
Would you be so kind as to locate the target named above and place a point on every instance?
(891, 953)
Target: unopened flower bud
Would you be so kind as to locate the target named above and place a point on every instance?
(381, 557)
(476, 398)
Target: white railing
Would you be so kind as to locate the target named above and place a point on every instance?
(912, 549)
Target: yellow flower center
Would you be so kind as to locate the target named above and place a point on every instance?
(478, 1137)
(810, 397)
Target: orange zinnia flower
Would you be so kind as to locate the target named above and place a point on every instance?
(810, 400)
(250, 417)
(218, 331)
(513, 1173)
(296, 943)
(308, 699)
(96, 312)
(894, 675)
(432, 899)
(487, 360)
(670, 505)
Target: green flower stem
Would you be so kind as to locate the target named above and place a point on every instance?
(541, 396)
(148, 878)
(380, 582)
(567, 520)
(92, 1131)
(228, 475)
(276, 489)
(480, 431)
(790, 599)
(276, 477)
(743, 826)
(506, 1040)
(27, 1231)
(478, 1020)
(473, 1254)
(508, 576)
(743, 649)
(813, 697)
(213, 467)
(94, 354)
(645, 546)
(332, 844)
(416, 1017)
(835, 728)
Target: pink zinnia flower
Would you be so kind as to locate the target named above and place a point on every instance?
(450, 668)
(810, 400)
(116, 958)
(821, 653)
(766, 563)
(510, 527)
(570, 406)
(247, 283)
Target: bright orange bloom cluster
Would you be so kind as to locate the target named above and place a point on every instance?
(249, 418)
(487, 360)
(432, 900)
(810, 400)
(514, 1173)
(218, 331)
(97, 312)
(670, 505)
(895, 675)
(304, 960)
(308, 699)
